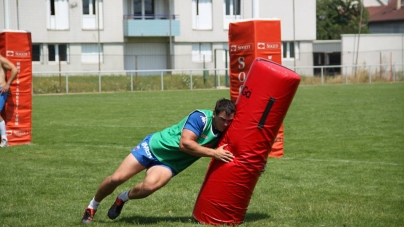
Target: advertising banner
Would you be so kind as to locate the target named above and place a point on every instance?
(16, 46)
(248, 40)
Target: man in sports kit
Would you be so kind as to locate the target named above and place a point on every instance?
(5, 65)
(165, 154)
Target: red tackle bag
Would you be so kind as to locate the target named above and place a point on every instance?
(260, 109)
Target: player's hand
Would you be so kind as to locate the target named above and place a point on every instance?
(223, 155)
(4, 89)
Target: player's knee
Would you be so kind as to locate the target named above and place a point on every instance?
(116, 180)
(149, 189)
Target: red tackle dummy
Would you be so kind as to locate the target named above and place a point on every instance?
(260, 110)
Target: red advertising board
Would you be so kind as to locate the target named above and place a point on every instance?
(249, 40)
(16, 46)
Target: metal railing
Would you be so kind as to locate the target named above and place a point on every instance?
(149, 16)
(189, 79)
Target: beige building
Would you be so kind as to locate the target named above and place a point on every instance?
(110, 35)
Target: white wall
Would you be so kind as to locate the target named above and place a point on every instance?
(113, 39)
(33, 17)
(368, 3)
(305, 17)
(373, 49)
(113, 60)
(304, 30)
(305, 58)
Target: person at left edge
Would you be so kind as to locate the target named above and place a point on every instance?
(165, 154)
(5, 65)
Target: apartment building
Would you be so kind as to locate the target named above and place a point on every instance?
(112, 35)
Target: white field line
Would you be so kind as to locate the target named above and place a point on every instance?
(108, 126)
(345, 161)
(129, 148)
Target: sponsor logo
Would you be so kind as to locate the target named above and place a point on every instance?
(204, 136)
(264, 46)
(233, 48)
(272, 45)
(12, 53)
(146, 149)
(203, 119)
(17, 132)
(22, 54)
(245, 92)
(241, 47)
(260, 46)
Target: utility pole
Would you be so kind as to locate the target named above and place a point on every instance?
(359, 36)
(98, 30)
(171, 14)
(294, 37)
(6, 14)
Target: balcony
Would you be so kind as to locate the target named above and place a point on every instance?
(150, 25)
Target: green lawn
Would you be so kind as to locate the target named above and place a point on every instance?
(343, 163)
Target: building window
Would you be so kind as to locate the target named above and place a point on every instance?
(137, 9)
(89, 7)
(202, 14)
(232, 9)
(91, 19)
(58, 52)
(52, 7)
(143, 9)
(36, 52)
(149, 7)
(57, 14)
(89, 53)
(290, 50)
(202, 52)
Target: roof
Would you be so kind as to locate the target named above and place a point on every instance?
(386, 13)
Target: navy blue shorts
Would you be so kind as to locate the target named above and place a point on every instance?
(143, 154)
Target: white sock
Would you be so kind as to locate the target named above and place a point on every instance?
(3, 130)
(93, 204)
(124, 196)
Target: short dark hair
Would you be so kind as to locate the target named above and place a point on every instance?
(225, 105)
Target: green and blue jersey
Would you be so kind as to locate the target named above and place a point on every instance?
(165, 144)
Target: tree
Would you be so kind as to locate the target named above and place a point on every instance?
(336, 17)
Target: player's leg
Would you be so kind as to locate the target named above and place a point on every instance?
(4, 141)
(128, 168)
(156, 177)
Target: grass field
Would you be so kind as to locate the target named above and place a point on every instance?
(343, 163)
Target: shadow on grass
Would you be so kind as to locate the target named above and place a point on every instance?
(250, 217)
(149, 220)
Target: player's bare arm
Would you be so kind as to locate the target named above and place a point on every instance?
(189, 145)
(7, 65)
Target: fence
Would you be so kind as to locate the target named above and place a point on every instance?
(189, 79)
(136, 80)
